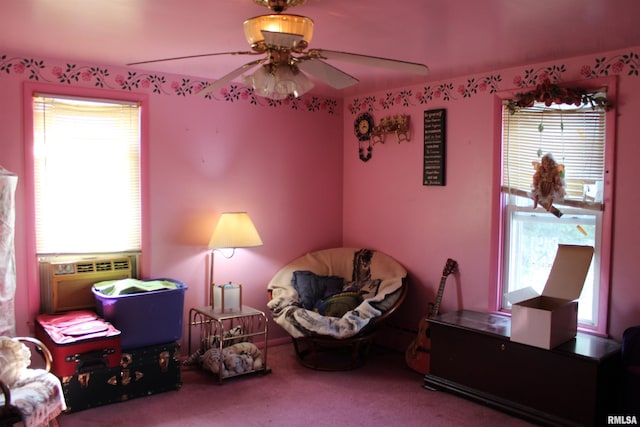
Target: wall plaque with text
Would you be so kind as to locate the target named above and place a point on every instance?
(434, 147)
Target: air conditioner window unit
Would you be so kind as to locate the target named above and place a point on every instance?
(65, 283)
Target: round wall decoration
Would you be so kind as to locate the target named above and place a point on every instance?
(363, 126)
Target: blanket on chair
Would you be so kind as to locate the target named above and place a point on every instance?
(375, 277)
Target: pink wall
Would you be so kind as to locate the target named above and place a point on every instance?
(282, 164)
(387, 207)
(295, 168)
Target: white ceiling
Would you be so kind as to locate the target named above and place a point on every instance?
(452, 37)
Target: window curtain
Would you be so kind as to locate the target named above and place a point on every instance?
(8, 183)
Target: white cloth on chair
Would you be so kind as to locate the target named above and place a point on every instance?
(36, 393)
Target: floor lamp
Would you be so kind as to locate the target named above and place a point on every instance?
(234, 230)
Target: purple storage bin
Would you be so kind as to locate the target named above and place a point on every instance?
(144, 318)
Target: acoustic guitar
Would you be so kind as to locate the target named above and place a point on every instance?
(418, 354)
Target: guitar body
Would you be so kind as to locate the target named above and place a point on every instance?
(418, 355)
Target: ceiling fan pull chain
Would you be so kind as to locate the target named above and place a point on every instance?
(280, 5)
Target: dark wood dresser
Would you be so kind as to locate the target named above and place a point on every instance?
(575, 384)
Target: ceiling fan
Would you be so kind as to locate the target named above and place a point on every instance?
(283, 40)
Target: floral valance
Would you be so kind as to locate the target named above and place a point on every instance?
(551, 93)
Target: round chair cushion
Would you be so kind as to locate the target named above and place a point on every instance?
(374, 276)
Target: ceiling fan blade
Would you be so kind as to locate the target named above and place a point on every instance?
(374, 61)
(222, 81)
(327, 73)
(286, 40)
(193, 56)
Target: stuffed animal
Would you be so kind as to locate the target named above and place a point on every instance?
(213, 341)
(234, 364)
(250, 351)
(236, 359)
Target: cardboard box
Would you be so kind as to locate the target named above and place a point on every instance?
(551, 319)
(226, 298)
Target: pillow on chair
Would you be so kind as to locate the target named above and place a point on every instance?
(338, 304)
(312, 288)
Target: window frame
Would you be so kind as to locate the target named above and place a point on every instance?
(500, 209)
(529, 215)
(31, 88)
(95, 137)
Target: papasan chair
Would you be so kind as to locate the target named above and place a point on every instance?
(332, 301)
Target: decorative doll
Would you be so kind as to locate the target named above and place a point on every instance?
(548, 184)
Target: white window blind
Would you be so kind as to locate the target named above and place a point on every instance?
(575, 138)
(87, 175)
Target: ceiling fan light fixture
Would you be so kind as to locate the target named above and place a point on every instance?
(278, 82)
(263, 81)
(279, 23)
(289, 80)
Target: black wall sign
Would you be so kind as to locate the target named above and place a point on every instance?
(434, 147)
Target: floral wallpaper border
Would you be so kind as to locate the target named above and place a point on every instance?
(628, 63)
(103, 77)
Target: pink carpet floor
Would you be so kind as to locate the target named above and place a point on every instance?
(384, 392)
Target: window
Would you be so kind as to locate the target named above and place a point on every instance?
(86, 162)
(576, 137)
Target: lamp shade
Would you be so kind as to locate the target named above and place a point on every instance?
(235, 230)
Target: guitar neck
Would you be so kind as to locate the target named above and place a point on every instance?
(436, 306)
